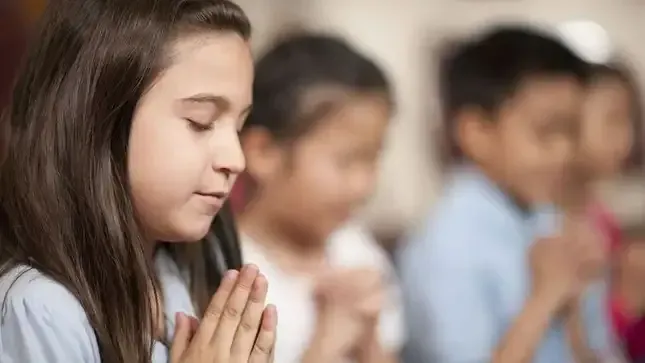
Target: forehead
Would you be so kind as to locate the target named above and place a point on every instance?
(608, 87)
(216, 63)
(555, 94)
(360, 119)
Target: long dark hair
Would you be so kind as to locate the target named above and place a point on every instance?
(66, 207)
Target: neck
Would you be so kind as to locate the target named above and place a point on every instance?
(150, 248)
(291, 247)
(578, 194)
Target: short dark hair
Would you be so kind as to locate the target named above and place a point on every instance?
(298, 64)
(486, 71)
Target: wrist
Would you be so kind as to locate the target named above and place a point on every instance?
(549, 303)
(324, 347)
(322, 350)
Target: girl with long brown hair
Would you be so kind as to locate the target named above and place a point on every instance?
(124, 146)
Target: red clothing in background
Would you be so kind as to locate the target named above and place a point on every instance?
(629, 330)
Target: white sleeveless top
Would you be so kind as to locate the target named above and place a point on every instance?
(348, 247)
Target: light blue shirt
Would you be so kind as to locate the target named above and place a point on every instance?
(44, 323)
(465, 278)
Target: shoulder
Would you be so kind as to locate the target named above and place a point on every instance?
(254, 253)
(24, 287)
(42, 321)
(471, 219)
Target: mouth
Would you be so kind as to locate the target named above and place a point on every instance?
(214, 200)
(214, 195)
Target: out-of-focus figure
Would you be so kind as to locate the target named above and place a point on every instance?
(610, 120)
(312, 143)
(486, 279)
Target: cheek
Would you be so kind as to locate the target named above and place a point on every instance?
(321, 180)
(165, 163)
(525, 152)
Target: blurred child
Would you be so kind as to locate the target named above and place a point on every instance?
(481, 283)
(610, 114)
(606, 136)
(312, 143)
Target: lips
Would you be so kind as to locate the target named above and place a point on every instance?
(212, 202)
(216, 194)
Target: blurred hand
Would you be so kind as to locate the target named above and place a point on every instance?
(360, 290)
(554, 270)
(349, 302)
(592, 252)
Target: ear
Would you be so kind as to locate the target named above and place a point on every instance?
(474, 133)
(263, 155)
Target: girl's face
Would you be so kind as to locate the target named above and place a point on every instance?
(184, 152)
(606, 133)
(321, 179)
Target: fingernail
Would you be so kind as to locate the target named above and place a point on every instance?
(270, 317)
(231, 274)
(251, 267)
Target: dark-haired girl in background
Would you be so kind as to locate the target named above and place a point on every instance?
(312, 143)
(609, 126)
(122, 150)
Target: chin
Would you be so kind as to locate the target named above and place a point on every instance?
(191, 231)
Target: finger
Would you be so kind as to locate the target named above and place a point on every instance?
(181, 338)
(371, 306)
(232, 314)
(194, 324)
(215, 308)
(265, 342)
(251, 319)
(361, 283)
(373, 281)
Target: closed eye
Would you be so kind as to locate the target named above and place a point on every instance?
(198, 126)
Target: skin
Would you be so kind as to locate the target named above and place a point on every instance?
(333, 168)
(184, 155)
(530, 143)
(606, 135)
(527, 149)
(605, 142)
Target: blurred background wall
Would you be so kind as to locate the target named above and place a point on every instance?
(404, 36)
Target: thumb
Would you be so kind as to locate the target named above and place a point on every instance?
(182, 337)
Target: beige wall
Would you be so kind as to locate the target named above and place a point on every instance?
(401, 34)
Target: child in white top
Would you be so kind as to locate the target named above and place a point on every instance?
(312, 142)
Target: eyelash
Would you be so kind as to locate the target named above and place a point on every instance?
(199, 127)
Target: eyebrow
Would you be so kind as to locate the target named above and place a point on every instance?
(208, 98)
(218, 101)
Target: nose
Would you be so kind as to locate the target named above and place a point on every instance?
(228, 157)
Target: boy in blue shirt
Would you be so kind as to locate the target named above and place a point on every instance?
(486, 280)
